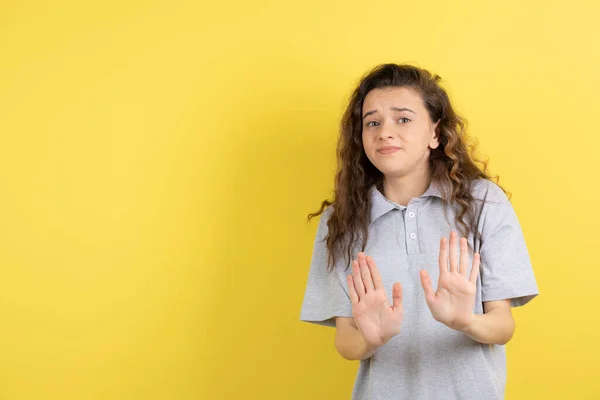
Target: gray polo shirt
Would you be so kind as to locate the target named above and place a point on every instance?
(427, 360)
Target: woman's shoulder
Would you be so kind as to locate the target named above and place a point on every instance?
(324, 217)
(488, 191)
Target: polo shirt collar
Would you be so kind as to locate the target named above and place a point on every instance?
(380, 205)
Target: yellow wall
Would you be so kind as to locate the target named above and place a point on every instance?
(158, 159)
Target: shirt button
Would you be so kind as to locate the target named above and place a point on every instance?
(411, 214)
(412, 235)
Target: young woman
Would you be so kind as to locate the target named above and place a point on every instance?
(414, 217)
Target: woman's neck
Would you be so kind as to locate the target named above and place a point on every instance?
(404, 188)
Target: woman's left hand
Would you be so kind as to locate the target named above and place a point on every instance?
(452, 303)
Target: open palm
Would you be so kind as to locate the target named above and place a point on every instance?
(452, 303)
(376, 319)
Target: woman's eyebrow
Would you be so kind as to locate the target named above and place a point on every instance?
(392, 108)
(369, 113)
(403, 109)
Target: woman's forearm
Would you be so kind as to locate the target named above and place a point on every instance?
(495, 326)
(351, 345)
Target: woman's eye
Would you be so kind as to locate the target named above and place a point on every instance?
(404, 120)
(372, 123)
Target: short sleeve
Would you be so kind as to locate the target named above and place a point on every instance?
(325, 296)
(506, 271)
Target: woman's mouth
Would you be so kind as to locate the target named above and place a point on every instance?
(388, 150)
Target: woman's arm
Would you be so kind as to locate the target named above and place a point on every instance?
(378, 319)
(349, 342)
(495, 326)
(452, 303)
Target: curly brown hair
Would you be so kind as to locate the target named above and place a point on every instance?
(453, 164)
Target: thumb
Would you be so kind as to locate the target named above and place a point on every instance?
(427, 287)
(397, 296)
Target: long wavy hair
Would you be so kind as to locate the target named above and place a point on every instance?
(454, 164)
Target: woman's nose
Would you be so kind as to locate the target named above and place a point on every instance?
(386, 131)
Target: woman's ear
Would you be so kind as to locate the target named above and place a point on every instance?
(434, 142)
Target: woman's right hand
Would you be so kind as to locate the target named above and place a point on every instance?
(376, 319)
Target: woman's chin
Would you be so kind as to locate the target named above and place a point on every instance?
(393, 174)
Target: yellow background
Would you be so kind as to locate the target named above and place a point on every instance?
(158, 160)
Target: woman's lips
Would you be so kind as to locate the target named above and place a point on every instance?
(388, 150)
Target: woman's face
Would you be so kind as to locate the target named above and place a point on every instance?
(397, 133)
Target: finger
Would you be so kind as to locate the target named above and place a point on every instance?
(453, 252)
(464, 257)
(365, 273)
(358, 283)
(377, 281)
(397, 296)
(475, 269)
(427, 287)
(351, 290)
(443, 259)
